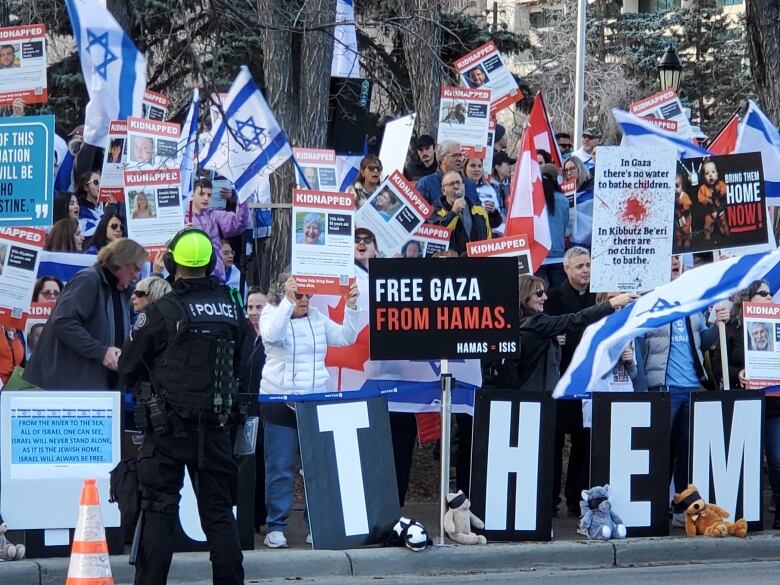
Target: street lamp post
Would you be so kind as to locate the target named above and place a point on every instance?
(670, 70)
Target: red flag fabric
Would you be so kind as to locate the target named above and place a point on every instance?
(725, 141)
(527, 211)
(544, 137)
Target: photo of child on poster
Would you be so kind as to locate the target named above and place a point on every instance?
(719, 203)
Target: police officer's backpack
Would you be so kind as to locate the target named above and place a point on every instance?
(196, 372)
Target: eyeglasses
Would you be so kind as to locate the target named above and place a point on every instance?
(453, 183)
(115, 226)
(570, 170)
(364, 240)
(539, 293)
(377, 168)
(49, 294)
(140, 293)
(455, 154)
(299, 296)
(95, 182)
(764, 293)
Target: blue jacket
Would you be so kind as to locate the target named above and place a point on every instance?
(430, 188)
(558, 224)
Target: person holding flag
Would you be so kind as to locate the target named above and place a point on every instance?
(217, 223)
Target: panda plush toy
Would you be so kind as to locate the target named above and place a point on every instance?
(410, 533)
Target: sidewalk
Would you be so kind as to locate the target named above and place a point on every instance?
(568, 551)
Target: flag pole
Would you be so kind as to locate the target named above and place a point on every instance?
(724, 352)
(579, 81)
(446, 419)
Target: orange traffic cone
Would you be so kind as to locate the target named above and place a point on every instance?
(89, 556)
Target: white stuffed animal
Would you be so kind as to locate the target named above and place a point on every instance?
(459, 519)
(8, 551)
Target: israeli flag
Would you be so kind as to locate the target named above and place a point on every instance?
(345, 48)
(641, 133)
(583, 220)
(188, 146)
(63, 265)
(248, 144)
(758, 134)
(603, 342)
(114, 70)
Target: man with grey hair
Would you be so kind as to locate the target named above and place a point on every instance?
(450, 159)
(467, 221)
(571, 296)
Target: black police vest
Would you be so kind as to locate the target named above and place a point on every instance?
(200, 328)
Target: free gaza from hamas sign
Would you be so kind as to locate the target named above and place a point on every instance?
(454, 308)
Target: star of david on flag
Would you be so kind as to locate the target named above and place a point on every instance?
(247, 144)
(249, 134)
(108, 55)
(114, 69)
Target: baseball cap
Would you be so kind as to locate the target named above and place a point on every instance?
(592, 132)
(550, 170)
(501, 157)
(361, 231)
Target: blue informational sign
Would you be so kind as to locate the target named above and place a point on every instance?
(26, 171)
(60, 436)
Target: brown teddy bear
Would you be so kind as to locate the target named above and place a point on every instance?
(459, 519)
(704, 518)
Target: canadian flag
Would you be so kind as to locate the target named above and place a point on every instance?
(543, 135)
(527, 208)
(725, 140)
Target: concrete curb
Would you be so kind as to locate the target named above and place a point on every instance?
(488, 559)
(666, 551)
(498, 557)
(20, 572)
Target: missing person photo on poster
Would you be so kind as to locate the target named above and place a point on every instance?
(761, 340)
(720, 203)
(23, 64)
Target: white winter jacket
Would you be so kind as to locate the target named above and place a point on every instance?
(295, 347)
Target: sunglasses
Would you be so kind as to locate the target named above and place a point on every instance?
(50, 294)
(364, 240)
(374, 168)
(140, 293)
(299, 296)
(95, 182)
(115, 226)
(565, 146)
(764, 293)
(539, 293)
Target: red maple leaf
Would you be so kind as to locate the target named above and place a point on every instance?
(350, 356)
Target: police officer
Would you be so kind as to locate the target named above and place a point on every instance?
(182, 359)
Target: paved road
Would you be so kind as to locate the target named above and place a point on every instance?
(763, 573)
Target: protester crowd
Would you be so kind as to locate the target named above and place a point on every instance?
(93, 313)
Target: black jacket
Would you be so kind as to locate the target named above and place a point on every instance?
(151, 337)
(537, 368)
(480, 223)
(564, 299)
(82, 326)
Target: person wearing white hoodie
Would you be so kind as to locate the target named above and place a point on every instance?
(296, 338)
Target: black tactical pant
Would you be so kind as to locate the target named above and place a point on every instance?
(161, 462)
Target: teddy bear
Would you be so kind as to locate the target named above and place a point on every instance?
(8, 551)
(704, 518)
(458, 520)
(597, 520)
